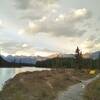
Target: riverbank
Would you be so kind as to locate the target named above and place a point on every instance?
(42, 85)
(7, 73)
(92, 91)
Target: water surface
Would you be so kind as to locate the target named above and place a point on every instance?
(7, 73)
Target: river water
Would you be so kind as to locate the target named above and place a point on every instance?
(7, 73)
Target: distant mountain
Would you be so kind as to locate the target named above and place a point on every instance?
(21, 59)
(94, 55)
(34, 59)
(24, 59)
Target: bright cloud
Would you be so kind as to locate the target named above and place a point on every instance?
(24, 45)
(1, 22)
(21, 31)
(80, 12)
(43, 18)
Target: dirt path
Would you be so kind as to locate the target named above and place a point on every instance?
(76, 91)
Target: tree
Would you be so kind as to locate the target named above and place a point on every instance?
(99, 61)
(78, 57)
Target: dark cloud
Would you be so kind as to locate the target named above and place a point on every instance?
(27, 4)
(62, 30)
(33, 9)
(22, 4)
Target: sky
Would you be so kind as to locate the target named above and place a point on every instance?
(45, 27)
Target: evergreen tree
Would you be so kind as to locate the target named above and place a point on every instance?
(78, 57)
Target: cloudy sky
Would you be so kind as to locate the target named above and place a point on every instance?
(43, 27)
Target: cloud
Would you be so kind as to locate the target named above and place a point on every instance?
(92, 43)
(26, 4)
(24, 45)
(92, 38)
(60, 25)
(12, 47)
(16, 48)
(89, 44)
(45, 52)
(0, 22)
(80, 13)
(33, 9)
(22, 4)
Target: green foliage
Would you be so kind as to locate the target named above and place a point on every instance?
(69, 63)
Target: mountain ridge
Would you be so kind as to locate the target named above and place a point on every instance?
(34, 59)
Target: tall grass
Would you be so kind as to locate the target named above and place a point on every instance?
(92, 91)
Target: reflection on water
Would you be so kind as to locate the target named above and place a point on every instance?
(7, 73)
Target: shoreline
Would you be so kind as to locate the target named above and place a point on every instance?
(38, 84)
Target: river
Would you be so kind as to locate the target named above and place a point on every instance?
(7, 73)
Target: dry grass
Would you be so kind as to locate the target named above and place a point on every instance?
(93, 91)
(42, 85)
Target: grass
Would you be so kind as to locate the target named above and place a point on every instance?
(43, 85)
(92, 91)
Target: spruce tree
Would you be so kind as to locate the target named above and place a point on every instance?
(78, 58)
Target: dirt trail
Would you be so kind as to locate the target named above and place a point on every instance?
(76, 91)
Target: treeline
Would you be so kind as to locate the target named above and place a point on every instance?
(69, 63)
(78, 61)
